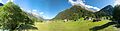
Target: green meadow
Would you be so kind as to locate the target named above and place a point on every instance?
(80, 25)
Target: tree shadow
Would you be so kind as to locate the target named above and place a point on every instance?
(102, 26)
(26, 27)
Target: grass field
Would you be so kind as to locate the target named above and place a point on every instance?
(81, 25)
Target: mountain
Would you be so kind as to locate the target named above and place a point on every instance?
(1, 4)
(36, 18)
(76, 12)
(106, 11)
(73, 13)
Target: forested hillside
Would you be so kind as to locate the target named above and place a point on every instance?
(76, 12)
(73, 13)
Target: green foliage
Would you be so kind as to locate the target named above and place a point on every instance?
(11, 17)
(116, 12)
(101, 14)
(105, 12)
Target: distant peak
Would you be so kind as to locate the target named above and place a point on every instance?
(107, 7)
(74, 0)
(110, 5)
(1, 4)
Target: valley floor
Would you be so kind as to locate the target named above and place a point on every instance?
(72, 26)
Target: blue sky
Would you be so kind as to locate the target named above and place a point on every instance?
(50, 8)
(99, 3)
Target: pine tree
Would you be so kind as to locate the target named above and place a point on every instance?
(116, 12)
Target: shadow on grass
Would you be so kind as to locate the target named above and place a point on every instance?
(102, 26)
(26, 27)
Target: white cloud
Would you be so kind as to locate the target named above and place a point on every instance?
(41, 13)
(45, 17)
(81, 3)
(88, 6)
(34, 10)
(37, 13)
(1, 1)
(117, 2)
(77, 2)
(10, 0)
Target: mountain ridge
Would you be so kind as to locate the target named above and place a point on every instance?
(76, 12)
